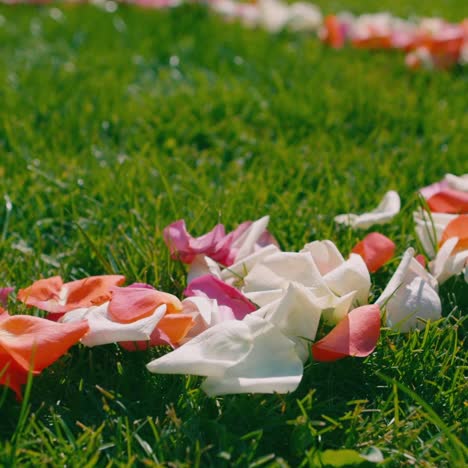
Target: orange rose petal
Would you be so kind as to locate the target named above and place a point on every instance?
(94, 290)
(176, 326)
(130, 304)
(376, 250)
(458, 227)
(355, 335)
(373, 42)
(12, 375)
(449, 201)
(334, 37)
(41, 291)
(3, 314)
(37, 342)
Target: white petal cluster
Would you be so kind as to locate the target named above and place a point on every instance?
(410, 298)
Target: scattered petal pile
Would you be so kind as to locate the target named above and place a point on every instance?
(442, 226)
(253, 314)
(430, 43)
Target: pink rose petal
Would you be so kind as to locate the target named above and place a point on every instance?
(4, 293)
(421, 259)
(430, 190)
(225, 295)
(185, 247)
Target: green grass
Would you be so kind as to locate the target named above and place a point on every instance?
(99, 132)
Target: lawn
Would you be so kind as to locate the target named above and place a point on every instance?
(114, 125)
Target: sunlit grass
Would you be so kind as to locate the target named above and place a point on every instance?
(104, 140)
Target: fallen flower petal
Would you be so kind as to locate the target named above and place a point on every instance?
(42, 293)
(237, 271)
(35, 343)
(219, 246)
(52, 295)
(410, 296)
(421, 259)
(224, 294)
(203, 265)
(277, 270)
(251, 238)
(12, 375)
(387, 209)
(4, 294)
(457, 227)
(251, 355)
(175, 326)
(169, 331)
(430, 227)
(376, 250)
(356, 335)
(297, 315)
(449, 201)
(326, 255)
(134, 303)
(449, 261)
(104, 330)
(430, 190)
(459, 183)
(333, 33)
(350, 276)
(184, 247)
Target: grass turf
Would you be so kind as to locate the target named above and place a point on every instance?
(114, 125)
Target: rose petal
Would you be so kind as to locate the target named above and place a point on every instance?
(387, 209)
(239, 270)
(334, 32)
(325, 254)
(224, 294)
(421, 259)
(41, 292)
(356, 335)
(296, 314)
(184, 247)
(430, 190)
(457, 182)
(175, 327)
(251, 355)
(35, 343)
(12, 375)
(376, 250)
(203, 265)
(94, 290)
(277, 270)
(104, 330)
(458, 227)
(53, 296)
(255, 234)
(4, 294)
(412, 302)
(410, 295)
(350, 276)
(449, 201)
(448, 262)
(131, 304)
(429, 228)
